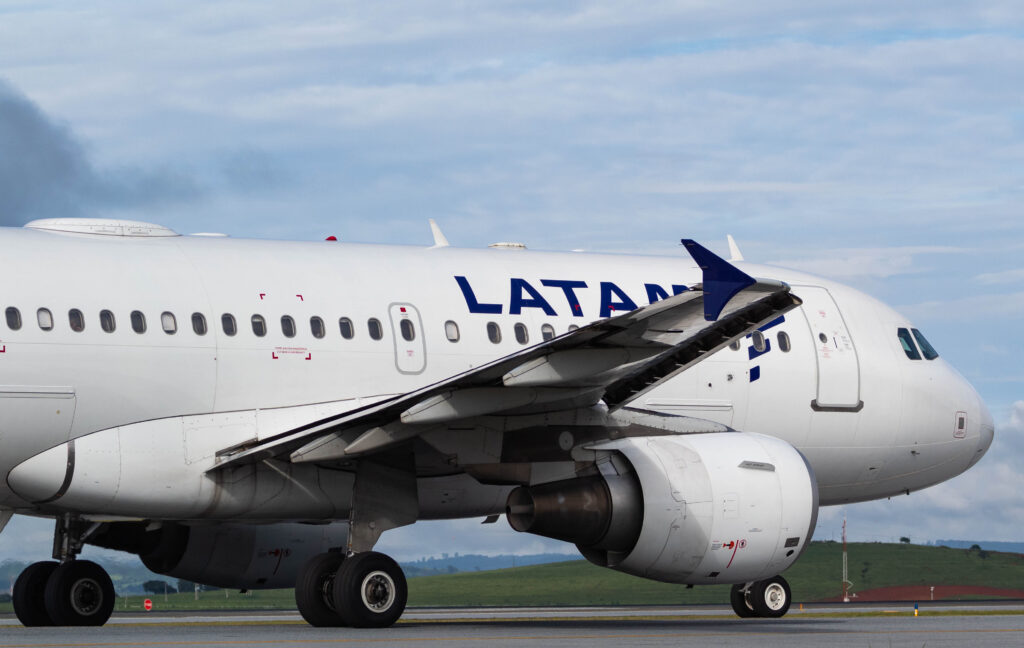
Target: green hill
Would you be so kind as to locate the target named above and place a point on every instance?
(815, 577)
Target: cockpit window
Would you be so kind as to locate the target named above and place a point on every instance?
(908, 344)
(927, 349)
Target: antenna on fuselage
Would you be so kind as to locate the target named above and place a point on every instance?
(440, 240)
(734, 250)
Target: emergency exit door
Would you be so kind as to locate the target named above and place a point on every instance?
(407, 332)
(838, 365)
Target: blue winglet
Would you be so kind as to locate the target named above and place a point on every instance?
(722, 280)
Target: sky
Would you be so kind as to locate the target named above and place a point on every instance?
(877, 143)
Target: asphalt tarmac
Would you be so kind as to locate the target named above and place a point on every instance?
(882, 625)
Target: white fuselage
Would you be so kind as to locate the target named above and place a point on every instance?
(871, 421)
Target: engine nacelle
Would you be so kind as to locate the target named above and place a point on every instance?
(694, 509)
(237, 556)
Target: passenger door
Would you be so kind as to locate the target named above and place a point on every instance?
(407, 333)
(838, 365)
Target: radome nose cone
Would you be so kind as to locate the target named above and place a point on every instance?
(986, 431)
(41, 478)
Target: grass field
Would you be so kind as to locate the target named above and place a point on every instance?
(816, 576)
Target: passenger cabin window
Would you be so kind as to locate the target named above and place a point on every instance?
(522, 335)
(199, 324)
(107, 322)
(572, 327)
(348, 331)
(493, 332)
(76, 320)
(908, 344)
(227, 322)
(735, 345)
(407, 329)
(259, 325)
(784, 343)
(317, 328)
(451, 331)
(168, 322)
(45, 319)
(375, 329)
(13, 318)
(757, 338)
(927, 349)
(288, 326)
(138, 321)
(547, 332)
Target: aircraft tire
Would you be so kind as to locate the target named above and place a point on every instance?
(79, 593)
(314, 590)
(370, 590)
(740, 604)
(770, 598)
(29, 594)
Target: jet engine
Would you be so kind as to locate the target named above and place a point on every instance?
(237, 556)
(697, 509)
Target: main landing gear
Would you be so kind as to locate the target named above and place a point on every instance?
(364, 590)
(769, 598)
(357, 586)
(66, 593)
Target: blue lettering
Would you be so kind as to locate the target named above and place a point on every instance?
(517, 302)
(569, 289)
(608, 290)
(472, 303)
(655, 293)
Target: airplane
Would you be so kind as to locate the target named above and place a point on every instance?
(215, 405)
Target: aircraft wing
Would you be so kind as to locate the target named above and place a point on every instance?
(615, 360)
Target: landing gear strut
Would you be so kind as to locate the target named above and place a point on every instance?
(769, 598)
(67, 593)
(359, 587)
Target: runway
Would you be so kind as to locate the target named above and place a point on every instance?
(885, 625)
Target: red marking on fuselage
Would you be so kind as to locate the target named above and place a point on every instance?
(273, 355)
(300, 298)
(3, 349)
(309, 356)
(262, 295)
(735, 547)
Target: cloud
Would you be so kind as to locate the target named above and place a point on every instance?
(1007, 306)
(852, 263)
(45, 171)
(1015, 276)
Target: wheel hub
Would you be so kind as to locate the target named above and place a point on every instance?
(378, 591)
(775, 596)
(86, 596)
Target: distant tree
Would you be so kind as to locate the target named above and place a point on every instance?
(904, 540)
(186, 586)
(452, 569)
(158, 587)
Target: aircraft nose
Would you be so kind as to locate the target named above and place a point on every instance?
(986, 430)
